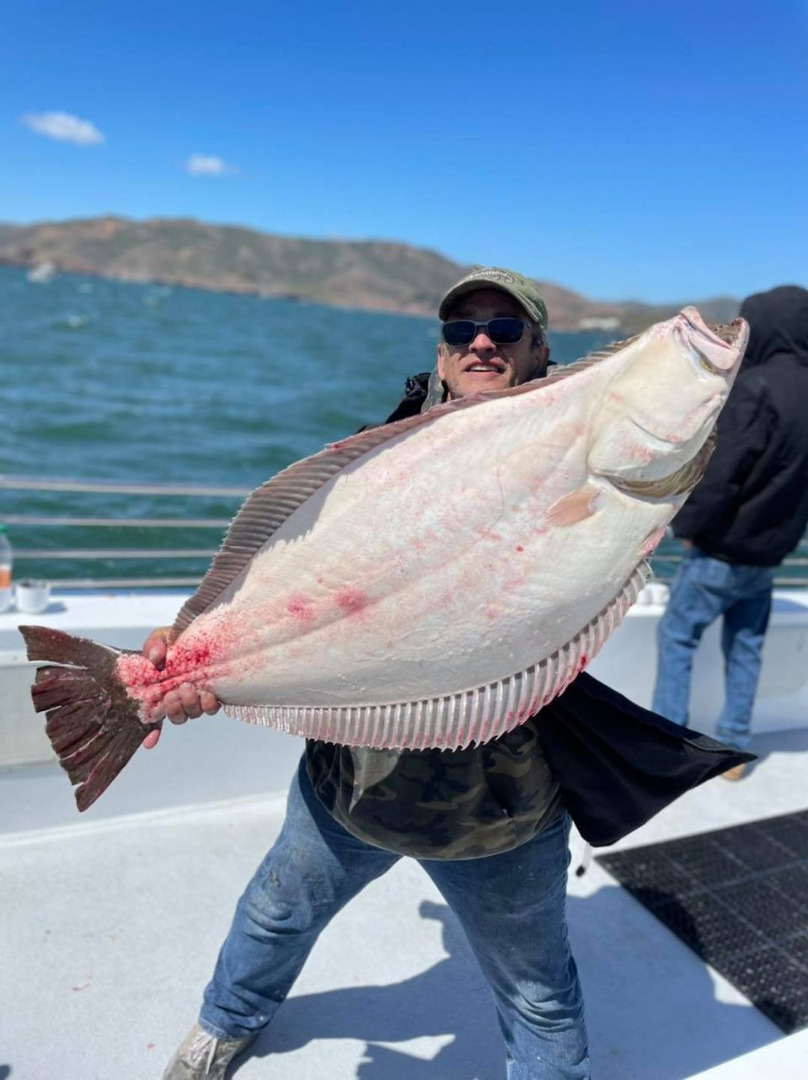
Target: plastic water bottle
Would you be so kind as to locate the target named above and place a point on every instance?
(6, 562)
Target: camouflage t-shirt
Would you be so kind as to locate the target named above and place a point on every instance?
(438, 804)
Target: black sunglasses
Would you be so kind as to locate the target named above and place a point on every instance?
(504, 331)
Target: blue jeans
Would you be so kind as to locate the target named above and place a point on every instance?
(511, 907)
(704, 589)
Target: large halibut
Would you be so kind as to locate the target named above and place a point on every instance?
(431, 583)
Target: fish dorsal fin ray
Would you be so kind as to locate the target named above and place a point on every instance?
(565, 371)
(455, 721)
(598, 355)
(276, 500)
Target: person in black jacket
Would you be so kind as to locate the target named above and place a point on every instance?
(746, 515)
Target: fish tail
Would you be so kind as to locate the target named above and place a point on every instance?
(93, 725)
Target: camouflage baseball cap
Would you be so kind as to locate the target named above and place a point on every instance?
(522, 289)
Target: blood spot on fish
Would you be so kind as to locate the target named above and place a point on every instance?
(519, 548)
(640, 453)
(135, 670)
(300, 608)
(351, 600)
(192, 662)
(186, 659)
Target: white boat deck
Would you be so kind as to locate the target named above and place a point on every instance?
(112, 921)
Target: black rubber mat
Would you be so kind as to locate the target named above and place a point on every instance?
(739, 898)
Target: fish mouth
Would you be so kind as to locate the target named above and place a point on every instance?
(730, 332)
(719, 347)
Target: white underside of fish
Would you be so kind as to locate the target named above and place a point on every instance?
(423, 595)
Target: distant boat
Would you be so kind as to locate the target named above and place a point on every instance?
(42, 273)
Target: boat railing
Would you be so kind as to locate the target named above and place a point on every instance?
(792, 574)
(23, 523)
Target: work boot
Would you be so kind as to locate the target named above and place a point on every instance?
(736, 773)
(204, 1057)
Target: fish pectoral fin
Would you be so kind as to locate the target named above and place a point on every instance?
(577, 506)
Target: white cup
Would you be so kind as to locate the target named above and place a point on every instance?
(32, 595)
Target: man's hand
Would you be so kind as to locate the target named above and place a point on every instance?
(179, 705)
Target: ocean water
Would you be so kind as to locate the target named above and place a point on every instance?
(104, 380)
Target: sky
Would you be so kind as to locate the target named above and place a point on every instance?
(624, 149)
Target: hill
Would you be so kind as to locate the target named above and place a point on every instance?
(372, 274)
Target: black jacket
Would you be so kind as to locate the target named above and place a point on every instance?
(751, 507)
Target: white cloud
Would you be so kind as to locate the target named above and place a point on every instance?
(63, 126)
(208, 165)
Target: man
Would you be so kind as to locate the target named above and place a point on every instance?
(748, 512)
(488, 824)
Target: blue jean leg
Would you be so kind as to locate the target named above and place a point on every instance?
(742, 638)
(512, 908)
(703, 590)
(313, 870)
(690, 610)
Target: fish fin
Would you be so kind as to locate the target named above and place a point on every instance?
(453, 722)
(92, 723)
(577, 506)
